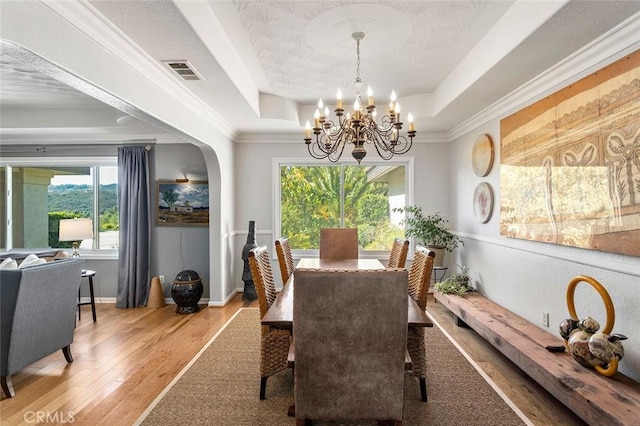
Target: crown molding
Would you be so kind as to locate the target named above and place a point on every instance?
(616, 43)
(88, 20)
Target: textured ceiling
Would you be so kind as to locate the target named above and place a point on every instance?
(23, 86)
(305, 48)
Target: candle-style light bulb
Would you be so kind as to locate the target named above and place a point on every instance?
(370, 95)
(316, 116)
(308, 129)
(397, 112)
(339, 96)
(392, 104)
(411, 124)
(356, 109)
(326, 111)
(320, 105)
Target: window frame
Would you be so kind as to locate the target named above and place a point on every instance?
(278, 162)
(42, 162)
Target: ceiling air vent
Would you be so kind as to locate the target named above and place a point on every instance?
(184, 69)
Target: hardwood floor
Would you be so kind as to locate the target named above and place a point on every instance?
(126, 358)
(537, 404)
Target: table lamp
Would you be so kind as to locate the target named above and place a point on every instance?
(75, 230)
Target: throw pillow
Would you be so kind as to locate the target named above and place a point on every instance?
(61, 255)
(31, 260)
(9, 263)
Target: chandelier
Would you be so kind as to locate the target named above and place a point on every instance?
(359, 127)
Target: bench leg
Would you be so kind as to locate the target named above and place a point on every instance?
(7, 386)
(67, 353)
(458, 321)
(423, 389)
(263, 387)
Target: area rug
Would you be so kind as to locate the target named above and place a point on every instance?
(221, 386)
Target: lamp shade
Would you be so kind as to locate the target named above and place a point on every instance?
(75, 229)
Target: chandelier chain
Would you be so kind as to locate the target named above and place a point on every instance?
(358, 60)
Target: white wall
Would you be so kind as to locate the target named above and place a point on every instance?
(176, 248)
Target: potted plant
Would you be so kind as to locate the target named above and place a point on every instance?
(430, 230)
(458, 283)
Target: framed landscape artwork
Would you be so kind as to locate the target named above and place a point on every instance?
(570, 164)
(183, 203)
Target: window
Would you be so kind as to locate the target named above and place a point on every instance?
(41, 194)
(311, 197)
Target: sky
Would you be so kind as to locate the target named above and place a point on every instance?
(107, 175)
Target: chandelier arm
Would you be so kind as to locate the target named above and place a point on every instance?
(382, 140)
(386, 124)
(312, 151)
(342, 145)
(321, 148)
(381, 146)
(403, 145)
(336, 132)
(385, 154)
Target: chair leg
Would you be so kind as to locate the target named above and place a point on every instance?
(304, 422)
(263, 387)
(423, 389)
(67, 353)
(7, 386)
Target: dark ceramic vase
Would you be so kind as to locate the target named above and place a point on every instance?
(186, 291)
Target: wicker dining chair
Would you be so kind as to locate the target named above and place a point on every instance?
(338, 243)
(274, 342)
(398, 255)
(419, 281)
(285, 259)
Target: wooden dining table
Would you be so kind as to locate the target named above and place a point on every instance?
(280, 314)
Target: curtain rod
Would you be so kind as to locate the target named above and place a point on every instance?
(148, 145)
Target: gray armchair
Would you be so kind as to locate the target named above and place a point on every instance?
(350, 339)
(38, 308)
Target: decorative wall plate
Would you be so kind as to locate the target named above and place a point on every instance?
(483, 202)
(482, 155)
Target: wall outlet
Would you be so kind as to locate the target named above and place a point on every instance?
(161, 279)
(545, 319)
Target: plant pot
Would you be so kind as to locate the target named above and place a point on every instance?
(439, 251)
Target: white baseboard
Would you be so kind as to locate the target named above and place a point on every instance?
(168, 301)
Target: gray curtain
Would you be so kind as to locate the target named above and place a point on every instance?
(135, 227)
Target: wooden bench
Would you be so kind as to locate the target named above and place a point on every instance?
(598, 400)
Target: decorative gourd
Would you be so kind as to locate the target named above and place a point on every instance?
(591, 348)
